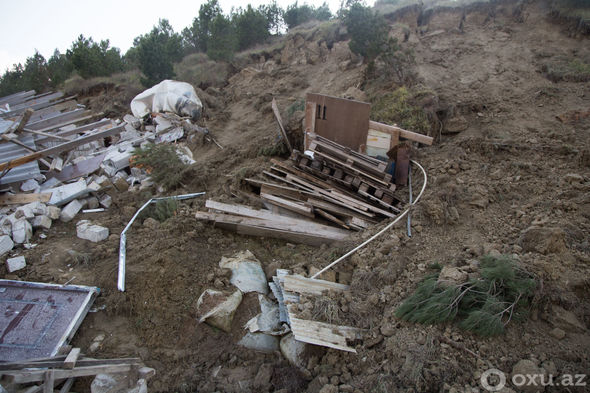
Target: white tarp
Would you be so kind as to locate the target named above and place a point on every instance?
(168, 96)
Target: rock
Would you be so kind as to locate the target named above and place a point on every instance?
(262, 380)
(296, 352)
(520, 373)
(6, 244)
(247, 273)
(455, 125)
(151, 223)
(557, 333)
(53, 212)
(42, 222)
(260, 342)
(92, 202)
(68, 192)
(566, 320)
(218, 309)
(24, 212)
(543, 240)
(16, 263)
(38, 208)
(452, 276)
(106, 201)
(574, 178)
(88, 231)
(107, 383)
(329, 389)
(22, 231)
(121, 184)
(132, 121)
(387, 329)
(70, 211)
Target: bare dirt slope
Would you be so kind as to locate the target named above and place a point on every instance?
(509, 164)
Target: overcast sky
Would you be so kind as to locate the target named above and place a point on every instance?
(45, 25)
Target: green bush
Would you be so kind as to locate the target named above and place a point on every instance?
(296, 14)
(223, 41)
(92, 59)
(160, 210)
(367, 29)
(156, 51)
(397, 107)
(163, 164)
(484, 305)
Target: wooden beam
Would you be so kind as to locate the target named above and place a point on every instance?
(277, 113)
(61, 148)
(65, 123)
(311, 286)
(17, 199)
(23, 121)
(310, 115)
(297, 207)
(413, 136)
(72, 358)
(78, 130)
(27, 376)
(49, 381)
(67, 385)
(331, 218)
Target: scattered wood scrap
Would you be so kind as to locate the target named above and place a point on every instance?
(289, 287)
(51, 372)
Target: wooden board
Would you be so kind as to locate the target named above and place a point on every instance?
(61, 148)
(378, 143)
(17, 199)
(323, 334)
(410, 135)
(275, 109)
(343, 121)
(311, 286)
(297, 207)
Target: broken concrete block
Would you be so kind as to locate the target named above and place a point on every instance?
(29, 185)
(38, 208)
(106, 201)
(296, 352)
(24, 212)
(53, 212)
(51, 183)
(6, 244)
(132, 121)
(70, 211)
(22, 231)
(116, 160)
(129, 134)
(92, 202)
(121, 184)
(43, 222)
(88, 231)
(66, 193)
(16, 263)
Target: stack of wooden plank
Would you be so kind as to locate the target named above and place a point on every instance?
(314, 199)
(47, 374)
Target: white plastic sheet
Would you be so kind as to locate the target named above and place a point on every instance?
(168, 96)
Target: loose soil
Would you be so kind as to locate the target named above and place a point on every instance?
(514, 164)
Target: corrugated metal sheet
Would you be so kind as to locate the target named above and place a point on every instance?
(10, 151)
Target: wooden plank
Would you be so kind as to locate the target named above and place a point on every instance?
(15, 199)
(304, 210)
(299, 226)
(323, 334)
(311, 286)
(24, 119)
(288, 192)
(333, 208)
(62, 147)
(58, 362)
(67, 385)
(49, 381)
(277, 113)
(343, 121)
(331, 218)
(246, 211)
(310, 115)
(413, 136)
(27, 376)
(78, 130)
(72, 358)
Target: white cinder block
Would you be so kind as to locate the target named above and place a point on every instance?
(88, 231)
(16, 263)
(70, 211)
(22, 231)
(6, 244)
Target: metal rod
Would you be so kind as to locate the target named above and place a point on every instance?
(123, 239)
(409, 223)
